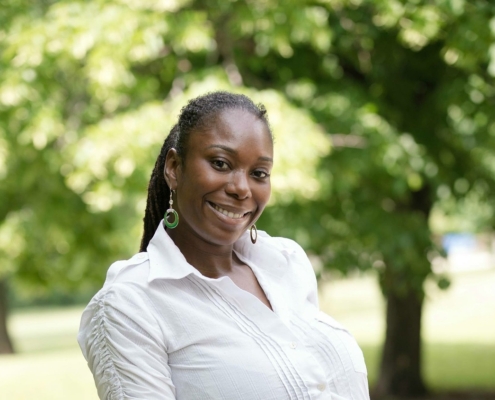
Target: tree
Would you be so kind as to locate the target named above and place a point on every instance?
(403, 89)
(81, 125)
(408, 110)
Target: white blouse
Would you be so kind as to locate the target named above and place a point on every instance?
(158, 329)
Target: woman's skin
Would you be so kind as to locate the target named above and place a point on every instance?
(227, 166)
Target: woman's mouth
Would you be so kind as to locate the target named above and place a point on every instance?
(227, 213)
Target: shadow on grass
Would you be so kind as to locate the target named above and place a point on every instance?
(452, 371)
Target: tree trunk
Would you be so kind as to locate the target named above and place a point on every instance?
(5, 342)
(400, 369)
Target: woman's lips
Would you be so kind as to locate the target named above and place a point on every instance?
(227, 213)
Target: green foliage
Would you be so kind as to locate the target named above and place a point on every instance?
(83, 114)
(403, 89)
(404, 92)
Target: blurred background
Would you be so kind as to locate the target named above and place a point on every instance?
(383, 114)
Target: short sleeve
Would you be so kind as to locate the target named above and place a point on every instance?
(124, 346)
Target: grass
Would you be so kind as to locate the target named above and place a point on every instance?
(49, 364)
(459, 339)
(458, 327)
(51, 375)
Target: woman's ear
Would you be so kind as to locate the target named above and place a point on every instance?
(172, 168)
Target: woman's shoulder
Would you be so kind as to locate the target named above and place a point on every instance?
(267, 242)
(282, 243)
(288, 248)
(135, 269)
(125, 278)
(125, 289)
(120, 309)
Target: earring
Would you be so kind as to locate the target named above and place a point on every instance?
(171, 210)
(253, 232)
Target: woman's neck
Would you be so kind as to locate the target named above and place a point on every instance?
(209, 259)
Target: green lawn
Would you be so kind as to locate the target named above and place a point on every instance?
(459, 336)
(458, 327)
(49, 364)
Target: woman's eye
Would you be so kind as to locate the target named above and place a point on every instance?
(220, 165)
(261, 174)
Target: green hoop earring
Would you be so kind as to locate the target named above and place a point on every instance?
(170, 211)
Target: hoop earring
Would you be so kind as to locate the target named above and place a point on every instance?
(171, 210)
(253, 232)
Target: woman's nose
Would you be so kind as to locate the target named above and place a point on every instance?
(239, 185)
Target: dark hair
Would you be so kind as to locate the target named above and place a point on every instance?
(198, 114)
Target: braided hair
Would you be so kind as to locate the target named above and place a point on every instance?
(197, 115)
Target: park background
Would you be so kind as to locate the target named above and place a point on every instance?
(383, 115)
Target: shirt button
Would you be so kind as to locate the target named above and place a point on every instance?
(141, 256)
(321, 387)
(293, 345)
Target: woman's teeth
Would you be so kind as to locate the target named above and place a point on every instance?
(228, 213)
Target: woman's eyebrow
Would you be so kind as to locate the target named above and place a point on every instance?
(232, 151)
(226, 148)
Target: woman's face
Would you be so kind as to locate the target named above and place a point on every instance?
(224, 183)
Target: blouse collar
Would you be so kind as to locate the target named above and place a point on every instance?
(167, 261)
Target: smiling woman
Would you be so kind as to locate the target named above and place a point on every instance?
(207, 309)
(223, 184)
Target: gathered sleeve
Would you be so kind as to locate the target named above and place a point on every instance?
(124, 346)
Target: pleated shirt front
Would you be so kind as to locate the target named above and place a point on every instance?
(158, 329)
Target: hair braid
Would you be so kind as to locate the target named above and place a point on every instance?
(198, 114)
(158, 191)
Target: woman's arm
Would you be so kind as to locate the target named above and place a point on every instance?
(124, 346)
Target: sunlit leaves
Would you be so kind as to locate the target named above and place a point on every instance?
(158, 6)
(403, 90)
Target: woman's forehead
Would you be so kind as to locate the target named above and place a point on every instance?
(238, 127)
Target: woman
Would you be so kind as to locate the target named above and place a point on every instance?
(211, 309)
